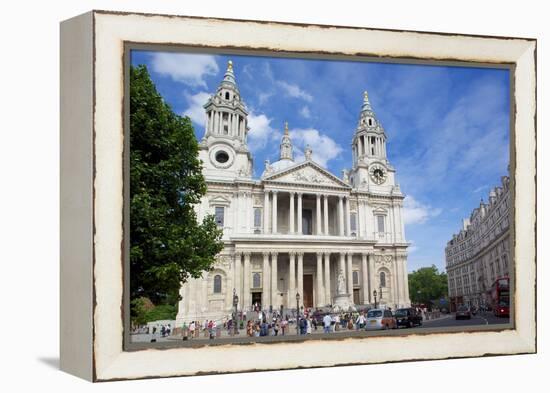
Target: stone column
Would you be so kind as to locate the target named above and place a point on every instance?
(320, 298)
(364, 278)
(274, 290)
(342, 266)
(340, 216)
(328, 298)
(291, 214)
(266, 211)
(300, 277)
(360, 218)
(237, 280)
(370, 263)
(350, 274)
(325, 213)
(214, 120)
(348, 214)
(291, 278)
(300, 214)
(246, 282)
(406, 280)
(318, 210)
(274, 218)
(397, 269)
(266, 298)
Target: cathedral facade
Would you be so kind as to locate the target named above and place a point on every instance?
(298, 229)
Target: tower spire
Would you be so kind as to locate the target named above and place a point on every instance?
(286, 145)
(366, 108)
(229, 75)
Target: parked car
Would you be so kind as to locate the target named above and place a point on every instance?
(463, 312)
(408, 317)
(378, 319)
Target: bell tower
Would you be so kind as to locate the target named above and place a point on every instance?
(223, 149)
(370, 163)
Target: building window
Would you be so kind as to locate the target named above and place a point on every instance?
(256, 280)
(356, 278)
(219, 216)
(226, 95)
(217, 283)
(382, 279)
(257, 218)
(353, 222)
(380, 224)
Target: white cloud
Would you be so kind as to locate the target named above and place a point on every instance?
(187, 68)
(263, 97)
(324, 148)
(195, 110)
(305, 112)
(415, 212)
(295, 91)
(261, 131)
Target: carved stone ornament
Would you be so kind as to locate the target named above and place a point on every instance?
(309, 176)
(223, 261)
(383, 260)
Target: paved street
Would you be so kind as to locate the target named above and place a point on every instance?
(446, 321)
(479, 319)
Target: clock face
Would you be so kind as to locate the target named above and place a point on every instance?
(377, 174)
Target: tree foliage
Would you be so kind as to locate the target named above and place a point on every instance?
(167, 243)
(145, 311)
(427, 285)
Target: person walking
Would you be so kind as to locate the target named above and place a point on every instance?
(327, 321)
(308, 325)
(360, 321)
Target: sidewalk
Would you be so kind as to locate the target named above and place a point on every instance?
(441, 317)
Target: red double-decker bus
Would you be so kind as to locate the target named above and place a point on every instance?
(500, 297)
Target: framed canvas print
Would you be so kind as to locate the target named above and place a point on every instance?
(248, 195)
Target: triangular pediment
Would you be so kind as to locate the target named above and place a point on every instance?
(307, 173)
(219, 200)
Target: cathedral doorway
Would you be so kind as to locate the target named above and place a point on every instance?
(257, 299)
(308, 290)
(356, 296)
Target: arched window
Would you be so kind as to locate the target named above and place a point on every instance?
(256, 280)
(226, 95)
(382, 279)
(217, 283)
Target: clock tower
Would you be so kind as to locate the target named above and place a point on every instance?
(223, 149)
(371, 168)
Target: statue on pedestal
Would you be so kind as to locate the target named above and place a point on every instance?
(341, 283)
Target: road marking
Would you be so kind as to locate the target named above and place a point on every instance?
(486, 321)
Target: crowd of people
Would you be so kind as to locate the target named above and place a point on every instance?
(272, 323)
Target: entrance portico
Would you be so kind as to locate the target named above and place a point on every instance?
(311, 273)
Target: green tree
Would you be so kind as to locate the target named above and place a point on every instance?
(167, 243)
(427, 284)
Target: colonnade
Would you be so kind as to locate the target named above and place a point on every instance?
(271, 209)
(294, 275)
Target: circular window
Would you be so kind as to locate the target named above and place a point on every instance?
(222, 157)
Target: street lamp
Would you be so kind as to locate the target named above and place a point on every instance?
(297, 313)
(235, 304)
(375, 303)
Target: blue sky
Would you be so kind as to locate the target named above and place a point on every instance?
(447, 127)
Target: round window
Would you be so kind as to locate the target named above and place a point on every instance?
(222, 157)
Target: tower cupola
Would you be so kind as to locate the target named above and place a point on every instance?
(286, 145)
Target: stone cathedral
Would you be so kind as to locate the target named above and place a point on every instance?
(298, 228)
